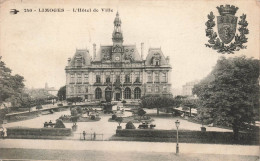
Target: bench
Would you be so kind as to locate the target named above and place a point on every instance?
(49, 124)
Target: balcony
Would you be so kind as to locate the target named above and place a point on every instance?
(127, 84)
(97, 84)
(137, 83)
(108, 84)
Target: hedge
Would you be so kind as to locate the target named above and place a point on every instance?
(189, 136)
(22, 132)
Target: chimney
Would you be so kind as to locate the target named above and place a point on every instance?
(142, 50)
(94, 51)
(69, 59)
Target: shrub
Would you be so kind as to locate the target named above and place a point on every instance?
(74, 112)
(130, 125)
(119, 120)
(74, 118)
(123, 101)
(114, 116)
(79, 110)
(59, 124)
(39, 107)
(92, 117)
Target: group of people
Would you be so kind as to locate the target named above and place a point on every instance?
(93, 136)
(46, 124)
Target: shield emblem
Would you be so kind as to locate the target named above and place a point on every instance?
(227, 27)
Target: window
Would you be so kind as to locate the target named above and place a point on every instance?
(137, 93)
(118, 78)
(79, 89)
(156, 77)
(98, 79)
(164, 88)
(79, 80)
(137, 77)
(98, 93)
(72, 79)
(164, 77)
(85, 78)
(108, 79)
(72, 90)
(157, 62)
(78, 62)
(127, 78)
(149, 89)
(149, 78)
(156, 89)
(127, 93)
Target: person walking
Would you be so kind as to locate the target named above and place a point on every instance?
(84, 135)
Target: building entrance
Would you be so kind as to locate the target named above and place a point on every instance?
(118, 97)
(108, 94)
(118, 94)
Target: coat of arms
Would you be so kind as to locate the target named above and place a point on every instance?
(226, 24)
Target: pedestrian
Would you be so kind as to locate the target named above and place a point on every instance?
(2, 132)
(84, 135)
(94, 137)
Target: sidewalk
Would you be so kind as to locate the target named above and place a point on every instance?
(124, 146)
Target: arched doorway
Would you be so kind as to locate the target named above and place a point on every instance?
(108, 94)
(137, 93)
(118, 94)
(98, 93)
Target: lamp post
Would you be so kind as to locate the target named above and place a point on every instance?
(177, 123)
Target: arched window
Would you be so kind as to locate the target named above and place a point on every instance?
(137, 93)
(98, 93)
(127, 93)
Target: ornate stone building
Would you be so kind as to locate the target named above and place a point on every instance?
(117, 71)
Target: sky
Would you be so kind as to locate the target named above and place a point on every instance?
(37, 44)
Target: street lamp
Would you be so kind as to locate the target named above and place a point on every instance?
(177, 123)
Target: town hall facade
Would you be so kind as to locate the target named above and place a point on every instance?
(117, 71)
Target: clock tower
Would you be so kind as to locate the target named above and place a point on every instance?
(117, 37)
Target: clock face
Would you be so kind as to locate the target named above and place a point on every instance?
(117, 58)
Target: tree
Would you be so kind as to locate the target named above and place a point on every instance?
(230, 94)
(156, 101)
(119, 120)
(74, 112)
(189, 103)
(74, 99)
(62, 93)
(11, 86)
(141, 112)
